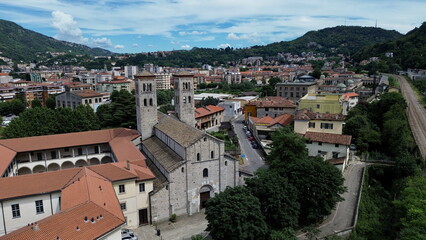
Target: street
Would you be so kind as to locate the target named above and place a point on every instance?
(253, 157)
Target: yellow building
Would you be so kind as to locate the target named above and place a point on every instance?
(324, 103)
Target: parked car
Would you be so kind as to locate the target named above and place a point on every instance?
(126, 230)
(251, 138)
(254, 144)
(128, 236)
(248, 133)
(245, 128)
(352, 147)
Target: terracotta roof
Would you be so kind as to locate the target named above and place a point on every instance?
(64, 225)
(4, 74)
(183, 74)
(207, 110)
(38, 183)
(141, 172)
(160, 151)
(119, 140)
(87, 93)
(336, 161)
(144, 74)
(349, 95)
(283, 120)
(180, 132)
(273, 102)
(115, 82)
(329, 138)
(307, 115)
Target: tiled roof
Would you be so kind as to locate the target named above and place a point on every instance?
(87, 93)
(64, 225)
(304, 114)
(166, 156)
(329, 138)
(119, 140)
(336, 161)
(183, 74)
(349, 95)
(283, 120)
(207, 110)
(38, 183)
(275, 101)
(180, 132)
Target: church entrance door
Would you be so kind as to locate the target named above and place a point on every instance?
(204, 196)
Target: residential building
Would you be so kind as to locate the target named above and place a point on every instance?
(321, 103)
(305, 121)
(232, 109)
(262, 128)
(75, 98)
(162, 80)
(333, 148)
(350, 100)
(115, 85)
(295, 90)
(130, 71)
(5, 78)
(269, 106)
(209, 116)
(7, 93)
(103, 76)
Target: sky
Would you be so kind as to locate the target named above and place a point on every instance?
(132, 26)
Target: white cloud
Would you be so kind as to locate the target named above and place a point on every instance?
(224, 45)
(102, 42)
(67, 27)
(174, 42)
(191, 33)
(208, 38)
(135, 45)
(118, 46)
(186, 46)
(232, 36)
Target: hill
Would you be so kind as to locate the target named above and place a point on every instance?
(19, 43)
(330, 41)
(409, 51)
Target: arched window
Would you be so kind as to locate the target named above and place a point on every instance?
(189, 99)
(184, 99)
(198, 156)
(145, 102)
(212, 154)
(150, 102)
(205, 172)
(144, 87)
(150, 87)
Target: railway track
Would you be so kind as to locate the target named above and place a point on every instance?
(416, 115)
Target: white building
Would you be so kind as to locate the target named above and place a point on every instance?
(232, 109)
(130, 71)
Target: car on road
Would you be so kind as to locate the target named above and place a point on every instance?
(248, 133)
(128, 236)
(245, 128)
(254, 145)
(352, 147)
(251, 138)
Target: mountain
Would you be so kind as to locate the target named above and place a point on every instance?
(409, 51)
(330, 41)
(19, 43)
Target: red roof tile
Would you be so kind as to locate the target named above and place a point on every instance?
(329, 138)
(304, 114)
(283, 120)
(273, 102)
(207, 110)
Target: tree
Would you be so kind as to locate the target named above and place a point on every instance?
(235, 214)
(36, 103)
(208, 101)
(164, 96)
(273, 81)
(51, 103)
(316, 73)
(284, 234)
(121, 112)
(277, 199)
(17, 106)
(286, 146)
(319, 186)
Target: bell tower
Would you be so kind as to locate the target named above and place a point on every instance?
(146, 103)
(184, 97)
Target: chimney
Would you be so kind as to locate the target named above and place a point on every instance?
(35, 228)
(128, 165)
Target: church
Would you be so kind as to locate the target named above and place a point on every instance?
(190, 165)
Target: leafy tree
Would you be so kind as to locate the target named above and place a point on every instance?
(166, 108)
(284, 234)
(36, 103)
(121, 112)
(17, 106)
(208, 101)
(235, 214)
(316, 73)
(273, 81)
(51, 103)
(164, 96)
(406, 165)
(319, 186)
(277, 199)
(286, 146)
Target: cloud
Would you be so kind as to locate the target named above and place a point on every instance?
(135, 45)
(67, 27)
(224, 45)
(118, 46)
(232, 36)
(208, 38)
(102, 42)
(174, 42)
(191, 33)
(186, 46)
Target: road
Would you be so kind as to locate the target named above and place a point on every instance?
(253, 157)
(343, 216)
(416, 115)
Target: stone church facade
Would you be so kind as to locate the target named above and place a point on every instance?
(191, 166)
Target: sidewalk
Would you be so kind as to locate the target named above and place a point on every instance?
(184, 228)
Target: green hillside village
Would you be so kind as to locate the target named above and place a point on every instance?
(320, 137)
